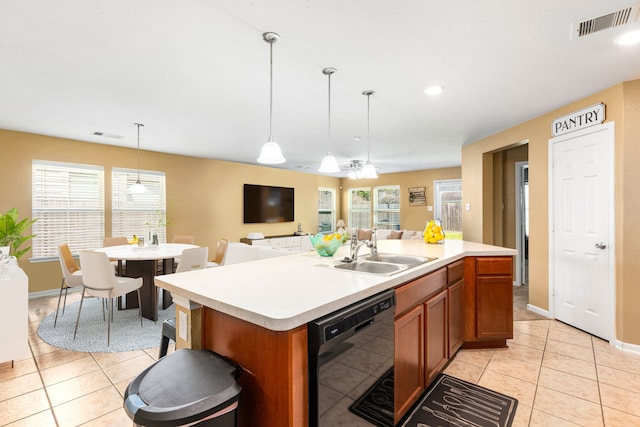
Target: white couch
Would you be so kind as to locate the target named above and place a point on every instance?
(387, 234)
(241, 252)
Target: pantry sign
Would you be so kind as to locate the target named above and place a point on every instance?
(590, 116)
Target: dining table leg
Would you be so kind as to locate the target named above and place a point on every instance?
(148, 293)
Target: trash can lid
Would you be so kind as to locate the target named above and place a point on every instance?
(185, 386)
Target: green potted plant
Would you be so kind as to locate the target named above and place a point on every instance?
(12, 232)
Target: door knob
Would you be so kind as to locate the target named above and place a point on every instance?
(601, 245)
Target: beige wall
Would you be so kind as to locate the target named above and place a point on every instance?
(204, 197)
(411, 217)
(622, 101)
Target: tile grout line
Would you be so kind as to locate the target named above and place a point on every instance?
(44, 388)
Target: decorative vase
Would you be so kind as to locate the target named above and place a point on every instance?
(154, 242)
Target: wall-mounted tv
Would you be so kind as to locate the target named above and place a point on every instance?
(264, 203)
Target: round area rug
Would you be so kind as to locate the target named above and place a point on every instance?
(126, 332)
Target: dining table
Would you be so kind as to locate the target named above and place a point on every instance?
(146, 262)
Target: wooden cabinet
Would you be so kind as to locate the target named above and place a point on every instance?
(455, 296)
(436, 342)
(409, 359)
(420, 337)
(488, 301)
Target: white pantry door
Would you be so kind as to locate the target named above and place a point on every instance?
(582, 231)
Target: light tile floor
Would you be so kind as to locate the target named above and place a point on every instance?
(561, 377)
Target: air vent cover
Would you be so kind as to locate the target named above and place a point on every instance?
(107, 135)
(603, 22)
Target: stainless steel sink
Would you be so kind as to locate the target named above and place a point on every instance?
(384, 264)
(399, 259)
(372, 267)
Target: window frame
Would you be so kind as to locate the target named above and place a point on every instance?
(388, 210)
(331, 211)
(140, 214)
(66, 209)
(353, 213)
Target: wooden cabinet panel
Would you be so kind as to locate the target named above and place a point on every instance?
(455, 271)
(494, 296)
(455, 295)
(436, 345)
(408, 360)
(417, 291)
(494, 266)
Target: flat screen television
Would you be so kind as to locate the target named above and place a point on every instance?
(264, 203)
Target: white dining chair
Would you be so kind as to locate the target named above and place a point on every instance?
(71, 276)
(100, 280)
(191, 259)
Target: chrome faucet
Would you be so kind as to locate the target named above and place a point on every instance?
(357, 244)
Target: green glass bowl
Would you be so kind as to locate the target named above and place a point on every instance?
(325, 246)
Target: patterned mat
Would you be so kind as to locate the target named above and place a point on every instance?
(450, 401)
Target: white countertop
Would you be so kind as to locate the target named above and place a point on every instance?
(285, 292)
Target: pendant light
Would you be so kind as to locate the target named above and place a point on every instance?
(271, 153)
(138, 187)
(368, 170)
(329, 163)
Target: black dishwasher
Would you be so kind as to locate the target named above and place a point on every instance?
(351, 364)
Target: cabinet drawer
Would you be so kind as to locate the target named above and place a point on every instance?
(455, 271)
(279, 243)
(494, 265)
(416, 291)
(293, 242)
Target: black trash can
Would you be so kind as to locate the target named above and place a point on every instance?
(195, 387)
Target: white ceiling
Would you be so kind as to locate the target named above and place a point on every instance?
(196, 73)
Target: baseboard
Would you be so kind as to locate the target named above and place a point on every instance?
(626, 347)
(52, 292)
(539, 311)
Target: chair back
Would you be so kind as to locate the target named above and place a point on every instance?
(220, 251)
(193, 259)
(181, 238)
(114, 241)
(98, 274)
(68, 266)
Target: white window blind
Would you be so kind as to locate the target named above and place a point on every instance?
(68, 204)
(326, 209)
(360, 207)
(140, 214)
(386, 202)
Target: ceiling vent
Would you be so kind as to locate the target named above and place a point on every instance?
(108, 135)
(615, 19)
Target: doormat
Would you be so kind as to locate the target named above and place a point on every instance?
(376, 404)
(450, 401)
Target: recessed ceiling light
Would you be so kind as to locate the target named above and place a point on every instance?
(434, 90)
(627, 39)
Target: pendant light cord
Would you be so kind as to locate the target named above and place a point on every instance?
(368, 130)
(329, 114)
(138, 152)
(270, 89)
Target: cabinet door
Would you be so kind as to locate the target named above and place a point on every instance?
(455, 293)
(436, 349)
(409, 359)
(494, 296)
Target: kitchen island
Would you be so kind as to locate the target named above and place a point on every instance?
(256, 313)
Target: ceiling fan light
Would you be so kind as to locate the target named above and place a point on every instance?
(368, 171)
(352, 175)
(271, 154)
(329, 164)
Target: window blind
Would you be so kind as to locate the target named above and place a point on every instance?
(140, 214)
(360, 207)
(68, 203)
(386, 211)
(326, 209)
